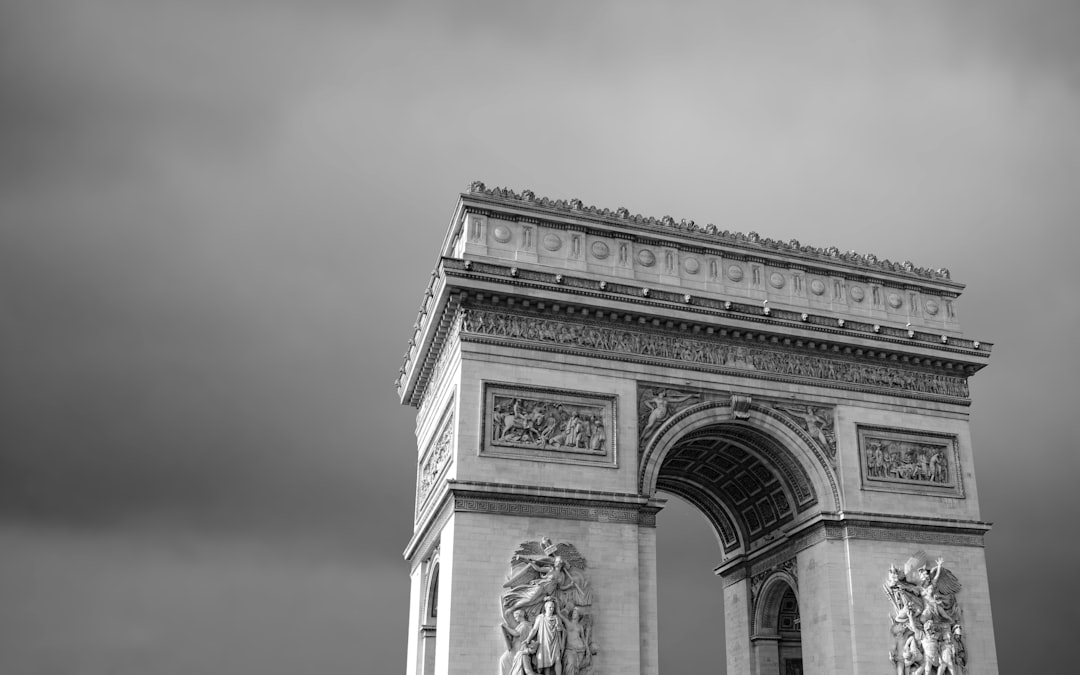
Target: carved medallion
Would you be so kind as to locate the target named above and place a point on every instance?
(931, 307)
(898, 460)
(552, 242)
(895, 301)
(927, 631)
(599, 250)
(734, 272)
(555, 424)
(776, 280)
(547, 612)
(501, 233)
(857, 293)
(646, 257)
(691, 265)
(817, 287)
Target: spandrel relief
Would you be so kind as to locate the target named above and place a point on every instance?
(927, 619)
(817, 422)
(547, 612)
(897, 460)
(657, 404)
(553, 423)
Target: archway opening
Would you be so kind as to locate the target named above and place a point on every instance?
(749, 488)
(690, 597)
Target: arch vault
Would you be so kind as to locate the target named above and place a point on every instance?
(569, 362)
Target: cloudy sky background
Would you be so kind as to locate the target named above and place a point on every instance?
(217, 220)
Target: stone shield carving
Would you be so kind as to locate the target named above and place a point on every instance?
(547, 612)
(927, 618)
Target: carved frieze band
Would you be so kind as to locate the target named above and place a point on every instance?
(716, 354)
(548, 424)
(898, 460)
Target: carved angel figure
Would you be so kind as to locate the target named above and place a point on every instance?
(658, 407)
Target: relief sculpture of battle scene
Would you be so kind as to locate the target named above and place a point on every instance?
(520, 421)
(546, 609)
(928, 638)
(900, 461)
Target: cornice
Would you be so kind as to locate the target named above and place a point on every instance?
(751, 243)
(645, 296)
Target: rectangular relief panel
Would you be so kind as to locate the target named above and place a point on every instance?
(913, 462)
(550, 425)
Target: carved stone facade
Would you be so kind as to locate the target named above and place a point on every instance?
(812, 405)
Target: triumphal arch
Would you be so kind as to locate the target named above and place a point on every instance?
(569, 363)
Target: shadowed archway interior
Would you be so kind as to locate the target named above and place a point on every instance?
(744, 481)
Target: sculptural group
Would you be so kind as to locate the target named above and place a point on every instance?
(926, 619)
(546, 623)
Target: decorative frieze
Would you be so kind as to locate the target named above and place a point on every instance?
(548, 424)
(899, 460)
(716, 354)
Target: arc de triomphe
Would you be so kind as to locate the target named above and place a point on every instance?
(569, 362)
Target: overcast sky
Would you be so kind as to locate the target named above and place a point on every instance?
(217, 219)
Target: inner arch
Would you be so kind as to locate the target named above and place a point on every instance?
(744, 481)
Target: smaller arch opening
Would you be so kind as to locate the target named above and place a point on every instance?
(777, 639)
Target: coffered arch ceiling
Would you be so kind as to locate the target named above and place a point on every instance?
(744, 481)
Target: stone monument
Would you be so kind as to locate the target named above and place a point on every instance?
(568, 363)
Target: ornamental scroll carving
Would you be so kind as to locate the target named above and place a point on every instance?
(547, 612)
(898, 460)
(927, 618)
(713, 354)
